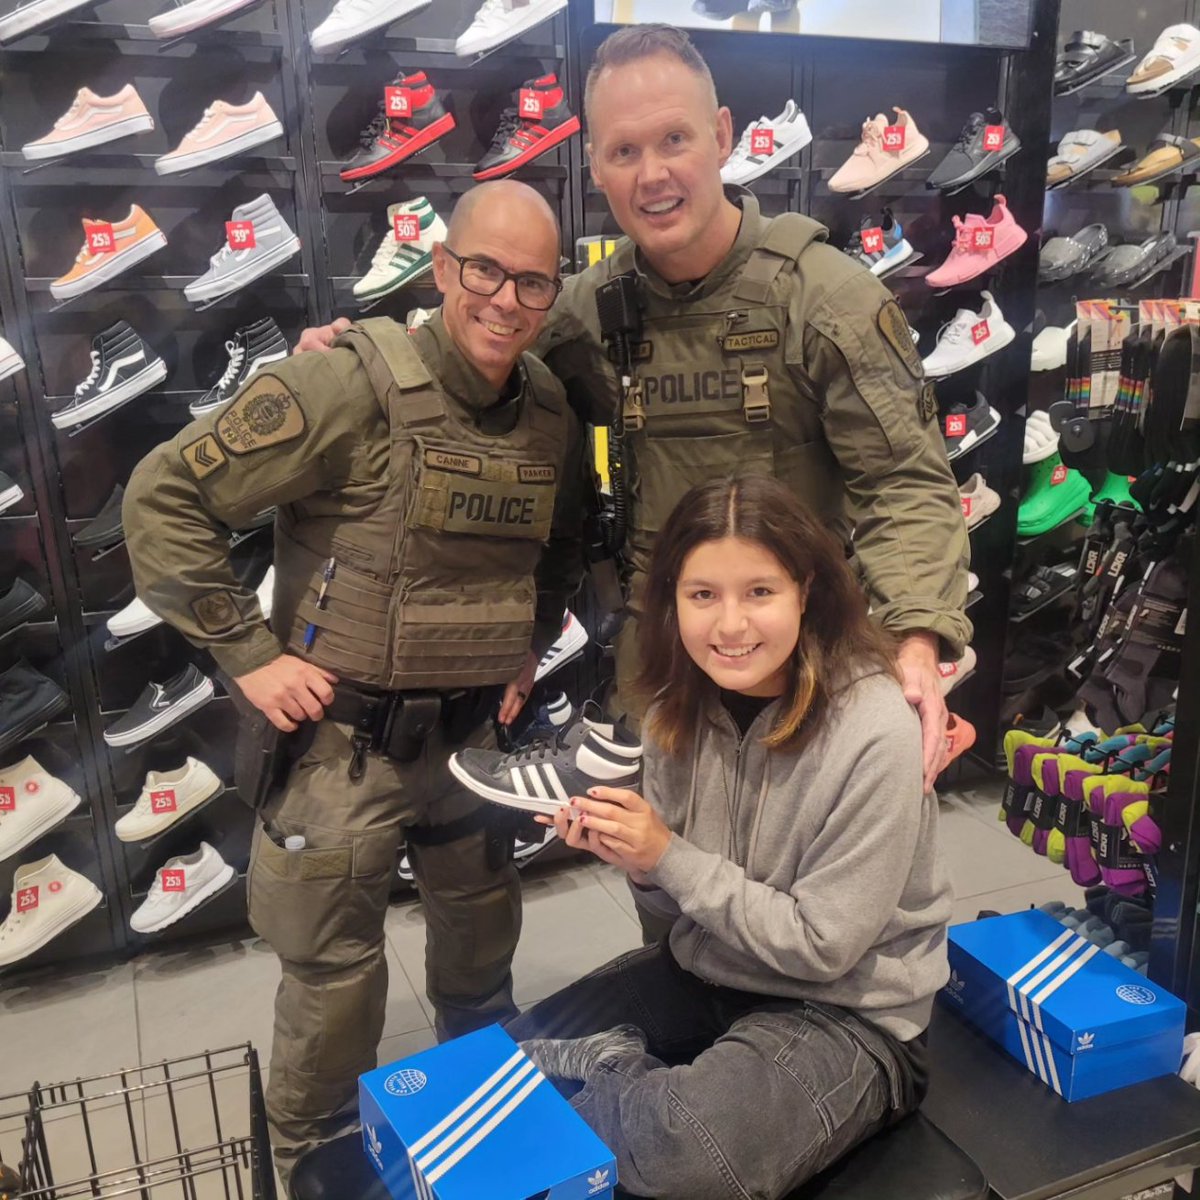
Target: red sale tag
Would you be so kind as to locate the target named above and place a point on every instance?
(983, 238)
(530, 101)
(968, 505)
(993, 137)
(408, 227)
(100, 238)
(894, 137)
(172, 881)
(8, 799)
(27, 898)
(397, 101)
(1058, 475)
(762, 140)
(872, 240)
(163, 801)
(240, 235)
(980, 332)
(956, 424)
(946, 670)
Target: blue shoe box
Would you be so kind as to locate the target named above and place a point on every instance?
(1081, 1021)
(474, 1118)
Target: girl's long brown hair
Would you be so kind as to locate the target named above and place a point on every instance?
(835, 630)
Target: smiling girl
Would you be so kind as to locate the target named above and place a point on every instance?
(783, 825)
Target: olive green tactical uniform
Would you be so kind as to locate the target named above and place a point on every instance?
(453, 514)
(792, 360)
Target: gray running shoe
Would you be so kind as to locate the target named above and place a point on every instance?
(229, 269)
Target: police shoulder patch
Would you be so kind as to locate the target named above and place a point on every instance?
(265, 414)
(216, 612)
(893, 324)
(204, 456)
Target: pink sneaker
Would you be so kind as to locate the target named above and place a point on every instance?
(224, 130)
(979, 244)
(884, 150)
(91, 121)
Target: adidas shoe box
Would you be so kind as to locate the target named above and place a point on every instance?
(473, 1118)
(1078, 1019)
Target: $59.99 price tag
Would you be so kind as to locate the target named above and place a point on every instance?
(982, 239)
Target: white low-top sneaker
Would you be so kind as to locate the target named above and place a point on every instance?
(496, 23)
(969, 338)
(181, 887)
(166, 798)
(352, 19)
(766, 143)
(32, 802)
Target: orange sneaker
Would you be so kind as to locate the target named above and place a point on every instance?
(133, 239)
(960, 737)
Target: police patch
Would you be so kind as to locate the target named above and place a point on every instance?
(265, 414)
(460, 464)
(641, 351)
(204, 456)
(536, 474)
(216, 612)
(752, 339)
(893, 324)
(927, 404)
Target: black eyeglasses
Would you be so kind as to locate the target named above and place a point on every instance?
(485, 278)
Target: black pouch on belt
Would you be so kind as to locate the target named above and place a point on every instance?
(410, 721)
(263, 755)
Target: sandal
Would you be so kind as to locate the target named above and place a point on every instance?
(1167, 154)
(1082, 151)
(1087, 57)
(1129, 264)
(1062, 257)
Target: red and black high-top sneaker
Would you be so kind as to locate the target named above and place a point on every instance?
(538, 121)
(388, 141)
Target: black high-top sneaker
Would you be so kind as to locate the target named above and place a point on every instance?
(538, 120)
(10, 492)
(389, 140)
(250, 349)
(122, 368)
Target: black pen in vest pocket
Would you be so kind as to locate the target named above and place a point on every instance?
(311, 632)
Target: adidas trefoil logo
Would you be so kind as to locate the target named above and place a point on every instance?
(375, 1146)
(1087, 1041)
(597, 1181)
(956, 986)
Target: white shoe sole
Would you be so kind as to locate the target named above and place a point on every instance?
(36, 151)
(386, 14)
(194, 699)
(1040, 454)
(1189, 64)
(143, 381)
(117, 265)
(577, 638)
(900, 254)
(976, 436)
(194, 16)
(11, 365)
(173, 164)
(22, 20)
(248, 272)
(535, 14)
(63, 921)
(210, 889)
(198, 408)
(59, 808)
(124, 629)
(153, 829)
(803, 136)
(10, 496)
(504, 799)
(1000, 338)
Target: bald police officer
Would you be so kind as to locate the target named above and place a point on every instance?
(427, 539)
(765, 349)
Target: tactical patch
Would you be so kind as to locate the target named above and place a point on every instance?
(460, 464)
(893, 324)
(642, 351)
(537, 474)
(216, 612)
(265, 414)
(204, 456)
(752, 339)
(927, 404)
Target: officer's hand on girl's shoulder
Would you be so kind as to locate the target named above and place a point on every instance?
(320, 337)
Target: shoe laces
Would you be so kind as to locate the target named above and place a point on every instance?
(237, 355)
(969, 130)
(963, 236)
(388, 249)
(510, 122)
(74, 111)
(743, 146)
(93, 374)
(209, 113)
(379, 125)
(490, 12)
(953, 332)
(872, 139)
(539, 748)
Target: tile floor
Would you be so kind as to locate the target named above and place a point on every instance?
(173, 1003)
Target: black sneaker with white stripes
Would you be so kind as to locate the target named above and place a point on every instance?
(122, 367)
(566, 648)
(543, 776)
(250, 349)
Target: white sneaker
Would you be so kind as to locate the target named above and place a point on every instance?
(10, 361)
(1050, 348)
(166, 798)
(978, 500)
(186, 18)
(180, 887)
(135, 617)
(351, 19)
(266, 593)
(953, 673)
(790, 135)
(1041, 440)
(494, 24)
(969, 338)
(47, 899)
(32, 802)
(569, 643)
(1174, 56)
(397, 264)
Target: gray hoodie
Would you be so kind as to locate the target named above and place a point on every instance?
(814, 875)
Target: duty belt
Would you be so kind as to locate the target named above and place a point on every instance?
(395, 724)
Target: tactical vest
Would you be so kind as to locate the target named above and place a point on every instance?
(717, 396)
(433, 585)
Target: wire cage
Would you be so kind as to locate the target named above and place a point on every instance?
(193, 1128)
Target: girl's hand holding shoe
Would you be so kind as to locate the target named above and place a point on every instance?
(618, 826)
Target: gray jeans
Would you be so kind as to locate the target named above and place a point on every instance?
(739, 1096)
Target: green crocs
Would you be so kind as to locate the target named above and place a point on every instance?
(1114, 488)
(1054, 495)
